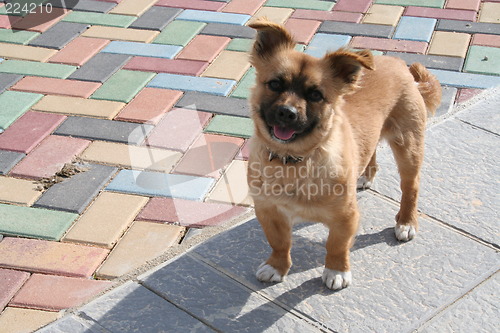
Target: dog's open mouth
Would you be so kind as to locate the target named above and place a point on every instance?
(283, 134)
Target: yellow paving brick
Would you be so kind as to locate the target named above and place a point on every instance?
(23, 52)
(25, 320)
(106, 219)
(383, 14)
(232, 186)
(490, 12)
(132, 7)
(230, 65)
(19, 191)
(278, 15)
(449, 44)
(129, 156)
(79, 106)
(143, 241)
(114, 33)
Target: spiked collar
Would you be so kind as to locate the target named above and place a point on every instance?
(285, 159)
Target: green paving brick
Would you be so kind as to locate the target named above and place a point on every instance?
(123, 86)
(483, 60)
(247, 82)
(13, 104)
(232, 126)
(36, 68)
(419, 3)
(18, 37)
(240, 44)
(301, 4)
(179, 32)
(110, 20)
(34, 222)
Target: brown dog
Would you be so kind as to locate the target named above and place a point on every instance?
(317, 126)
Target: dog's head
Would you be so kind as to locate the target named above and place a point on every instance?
(295, 95)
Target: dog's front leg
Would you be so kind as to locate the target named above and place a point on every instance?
(278, 232)
(337, 273)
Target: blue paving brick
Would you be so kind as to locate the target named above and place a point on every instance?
(213, 17)
(466, 80)
(415, 28)
(214, 86)
(142, 49)
(161, 184)
(323, 43)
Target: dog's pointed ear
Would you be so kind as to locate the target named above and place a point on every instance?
(270, 37)
(347, 65)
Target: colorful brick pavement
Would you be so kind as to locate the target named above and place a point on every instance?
(145, 102)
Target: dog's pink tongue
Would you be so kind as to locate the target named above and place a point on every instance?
(283, 133)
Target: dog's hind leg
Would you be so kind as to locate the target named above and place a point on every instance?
(278, 231)
(365, 181)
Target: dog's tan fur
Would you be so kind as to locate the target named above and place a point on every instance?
(366, 98)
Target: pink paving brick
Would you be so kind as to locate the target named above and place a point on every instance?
(29, 130)
(357, 6)
(302, 30)
(160, 65)
(41, 19)
(463, 4)
(322, 15)
(204, 48)
(54, 293)
(6, 21)
(149, 105)
(384, 44)
(439, 13)
(486, 40)
(209, 155)
(466, 94)
(244, 151)
(187, 212)
(11, 282)
(40, 256)
(243, 6)
(79, 51)
(192, 4)
(49, 157)
(51, 86)
(178, 129)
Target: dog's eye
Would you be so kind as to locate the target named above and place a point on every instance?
(314, 96)
(275, 85)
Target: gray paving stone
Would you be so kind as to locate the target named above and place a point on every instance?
(485, 113)
(133, 308)
(476, 310)
(356, 29)
(228, 30)
(447, 101)
(468, 27)
(431, 61)
(217, 104)
(59, 35)
(7, 80)
(394, 284)
(75, 193)
(156, 18)
(458, 178)
(100, 67)
(103, 129)
(84, 5)
(72, 324)
(8, 159)
(192, 285)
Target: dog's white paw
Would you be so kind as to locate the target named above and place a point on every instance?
(267, 273)
(336, 280)
(363, 183)
(405, 233)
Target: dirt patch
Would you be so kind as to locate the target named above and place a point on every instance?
(67, 171)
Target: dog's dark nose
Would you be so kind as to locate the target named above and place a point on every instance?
(286, 114)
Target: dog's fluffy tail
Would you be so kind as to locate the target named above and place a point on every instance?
(428, 85)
